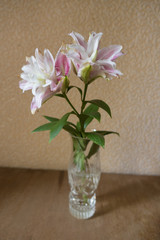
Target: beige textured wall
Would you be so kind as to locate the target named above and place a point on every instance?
(134, 99)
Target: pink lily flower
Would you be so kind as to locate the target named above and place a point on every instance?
(89, 59)
(44, 76)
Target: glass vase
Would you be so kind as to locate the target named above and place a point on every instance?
(84, 175)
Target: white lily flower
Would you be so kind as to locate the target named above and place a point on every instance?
(44, 76)
(84, 54)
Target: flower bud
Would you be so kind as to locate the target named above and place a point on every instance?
(65, 84)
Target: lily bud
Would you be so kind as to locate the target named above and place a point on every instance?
(65, 84)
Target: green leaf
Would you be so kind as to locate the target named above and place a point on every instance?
(88, 110)
(85, 119)
(71, 130)
(51, 119)
(82, 118)
(79, 89)
(91, 108)
(66, 127)
(95, 115)
(94, 148)
(87, 122)
(45, 127)
(78, 126)
(107, 132)
(58, 126)
(96, 138)
(101, 104)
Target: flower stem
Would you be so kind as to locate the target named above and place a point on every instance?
(67, 99)
(84, 96)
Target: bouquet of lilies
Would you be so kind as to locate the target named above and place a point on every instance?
(48, 77)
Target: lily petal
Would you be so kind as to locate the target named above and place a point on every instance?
(42, 95)
(106, 62)
(56, 87)
(96, 73)
(39, 59)
(62, 64)
(111, 52)
(79, 39)
(93, 43)
(48, 61)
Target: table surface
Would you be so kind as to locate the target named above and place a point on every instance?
(34, 206)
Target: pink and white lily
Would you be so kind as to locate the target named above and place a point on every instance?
(91, 62)
(44, 76)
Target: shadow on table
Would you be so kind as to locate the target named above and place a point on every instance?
(138, 191)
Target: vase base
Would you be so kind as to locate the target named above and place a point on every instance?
(82, 210)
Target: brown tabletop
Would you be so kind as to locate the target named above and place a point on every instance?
(34, 206)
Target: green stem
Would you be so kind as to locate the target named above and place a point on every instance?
(84, 96)
(82, 107)
(71, 104)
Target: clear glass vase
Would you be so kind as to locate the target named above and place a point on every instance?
(84, 175)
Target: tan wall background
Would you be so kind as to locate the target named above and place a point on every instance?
(134, 99)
